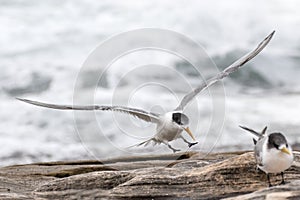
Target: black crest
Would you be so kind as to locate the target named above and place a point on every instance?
(180, 118)
(276, 140)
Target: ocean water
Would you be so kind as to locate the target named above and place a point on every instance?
(55, 51)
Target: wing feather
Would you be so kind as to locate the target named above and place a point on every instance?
(259, 135)
(258, 151)
(232, 68)
(141, 114)
(258, 144)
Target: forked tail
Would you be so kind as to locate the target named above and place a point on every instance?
(145, 143)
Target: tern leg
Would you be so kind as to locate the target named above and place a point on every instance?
(268, 176)
(189, 143)
(173, 149)
(282, 179)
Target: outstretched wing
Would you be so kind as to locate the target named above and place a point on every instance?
(232, 68)
(141, 114)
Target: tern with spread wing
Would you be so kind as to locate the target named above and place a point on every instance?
(169, 125)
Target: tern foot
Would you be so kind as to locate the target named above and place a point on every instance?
(282, 183)
(282, 179)
(259, 170)
(190, 144)
(175, 150)
(268, 176)
(170, 147)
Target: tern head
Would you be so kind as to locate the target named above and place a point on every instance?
(183, 121)
(278, 141)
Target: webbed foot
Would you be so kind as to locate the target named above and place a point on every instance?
(190, 144)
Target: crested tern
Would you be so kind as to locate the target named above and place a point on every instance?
(272, 152)
(171, 124)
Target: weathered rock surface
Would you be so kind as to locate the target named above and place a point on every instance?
(190, 175)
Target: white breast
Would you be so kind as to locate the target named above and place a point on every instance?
(275, 161)
(166, 129)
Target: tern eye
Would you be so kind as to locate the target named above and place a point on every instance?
(276, 145)
(177, 118)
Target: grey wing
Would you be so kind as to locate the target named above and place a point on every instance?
(141, 114)
(258, 151)
(251, 131)
(232, 68)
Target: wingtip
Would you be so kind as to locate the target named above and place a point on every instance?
(21, 99)
(273, 32)
(243, 127)
(18, 98)
(264, 130)
(25, 100)
(270, 36)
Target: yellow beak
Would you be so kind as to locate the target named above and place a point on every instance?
(285, 150)
(190, 133)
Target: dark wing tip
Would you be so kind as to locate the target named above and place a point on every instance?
(27, 101)
(246, 128)
(270, 35)
(251, 131)
(264, 43)
(31, 102)
(254, 141)
(243, 127)
(273, 32)
(264, 130)
(21, 99)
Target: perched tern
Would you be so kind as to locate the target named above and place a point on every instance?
(171, 124)
(272, 152)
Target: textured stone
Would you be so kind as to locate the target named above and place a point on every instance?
(190, 175)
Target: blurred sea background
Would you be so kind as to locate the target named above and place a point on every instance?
(43, 45)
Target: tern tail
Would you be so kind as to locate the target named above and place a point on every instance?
(145, 143)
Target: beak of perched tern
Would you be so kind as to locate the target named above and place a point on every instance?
(189, 132)
(285, 150)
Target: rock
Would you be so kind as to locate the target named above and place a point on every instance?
(190, 175)
(287, 191)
